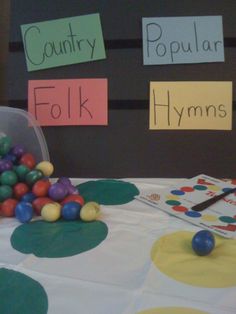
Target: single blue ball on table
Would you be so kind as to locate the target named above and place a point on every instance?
(71, 211)
(203, 242)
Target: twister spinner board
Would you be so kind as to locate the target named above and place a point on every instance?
(179, 199)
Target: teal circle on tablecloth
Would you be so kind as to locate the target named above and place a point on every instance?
(58, 239)
(108, 192)
(21, 294)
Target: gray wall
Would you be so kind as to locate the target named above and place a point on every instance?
(126, 147)
(4, 33)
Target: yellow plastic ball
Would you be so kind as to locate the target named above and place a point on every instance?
(46, 167)
(51, 212)
(90, 211)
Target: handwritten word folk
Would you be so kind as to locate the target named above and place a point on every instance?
(183, 40)
(68, 102)
(191, 105)
(63, 41)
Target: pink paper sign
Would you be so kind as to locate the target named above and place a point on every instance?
(68, 102)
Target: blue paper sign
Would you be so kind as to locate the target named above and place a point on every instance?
(172, 40)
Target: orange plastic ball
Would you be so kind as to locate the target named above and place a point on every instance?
(73, 198)
(39, 202)
(20, 189)
(8, 207)
(41, 187)
(28, 160)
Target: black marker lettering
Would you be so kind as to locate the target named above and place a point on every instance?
(82, 104)
(194, 109)
(51, 48)
(174, 48)
(161, 105)
(222, 110)
(180, 114)
(208, 109)
(92, 45)
(36, 103)
(27, 48)
(150, 29)
(55, 111)
(195, 35)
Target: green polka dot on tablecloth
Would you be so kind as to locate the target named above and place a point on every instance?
(58, 239)
(108, 192)
(21, 294)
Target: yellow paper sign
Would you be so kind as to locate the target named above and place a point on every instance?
(190, 105)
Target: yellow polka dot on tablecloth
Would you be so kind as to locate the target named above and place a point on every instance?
(173, 255)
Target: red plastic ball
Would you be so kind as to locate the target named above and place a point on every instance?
(28, 160)
(41, 187)
(39, 202)
(73, 198)
(8, 207)
(20, 189)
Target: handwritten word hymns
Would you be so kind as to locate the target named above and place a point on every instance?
(191, 105)
(69, 101)
(63, 41)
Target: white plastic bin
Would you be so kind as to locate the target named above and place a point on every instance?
(23, 129)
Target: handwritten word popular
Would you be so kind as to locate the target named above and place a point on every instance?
(191, 105)
(183, 40)
(68, 102)
(63, 41)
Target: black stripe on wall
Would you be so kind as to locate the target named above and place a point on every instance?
(17, 46)
(127, 104)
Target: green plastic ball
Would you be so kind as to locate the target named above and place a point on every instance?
(8, 177)
(21, 172)
(5, 192)
(5, 145)
(33, 176)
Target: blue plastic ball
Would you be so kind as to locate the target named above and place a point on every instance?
(28, 197)
(71, 211)
(10, 157)
(24, 211)
(203, 242)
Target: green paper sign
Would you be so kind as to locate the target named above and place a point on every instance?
(63, 41)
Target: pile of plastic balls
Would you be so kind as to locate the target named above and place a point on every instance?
(26, 189)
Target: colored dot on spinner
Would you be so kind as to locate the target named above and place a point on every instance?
(193, 214)
(226, 189)
(178, 208)
(177, 192)
(214, 188)
(173, 202)
(209, 218)
(200, 187)
(172, 197)
(187, 189)
(227, 219)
